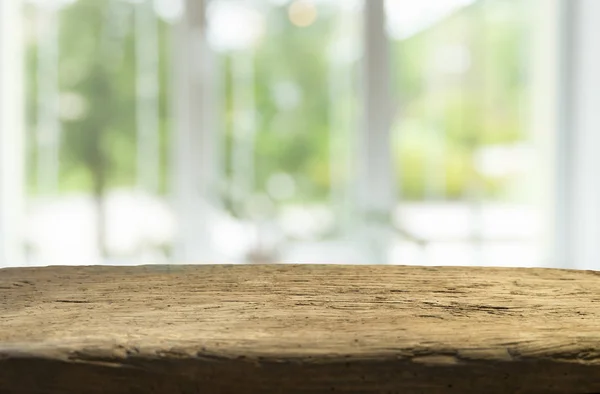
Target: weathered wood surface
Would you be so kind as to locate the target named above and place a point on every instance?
(298, 329)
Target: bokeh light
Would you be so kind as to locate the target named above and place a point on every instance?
(302, 13)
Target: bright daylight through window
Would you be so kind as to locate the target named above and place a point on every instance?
(340, 131)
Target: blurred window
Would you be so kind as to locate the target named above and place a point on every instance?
(102, 119)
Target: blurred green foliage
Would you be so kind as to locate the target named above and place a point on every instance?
(481, 105)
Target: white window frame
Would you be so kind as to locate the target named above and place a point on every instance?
(566, 126)
(12, 132)
(577, 169)
(195, 155)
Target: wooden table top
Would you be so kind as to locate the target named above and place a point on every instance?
(299, 328)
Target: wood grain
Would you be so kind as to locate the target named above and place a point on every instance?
(299, 329)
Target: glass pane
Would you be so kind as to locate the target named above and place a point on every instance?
(464, 153)
(290, 98)
(98, 119)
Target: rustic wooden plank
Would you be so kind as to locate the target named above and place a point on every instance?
(299, 329)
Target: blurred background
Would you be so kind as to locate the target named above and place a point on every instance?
(438, 132)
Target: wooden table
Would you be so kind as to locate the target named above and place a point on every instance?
(298, 329)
